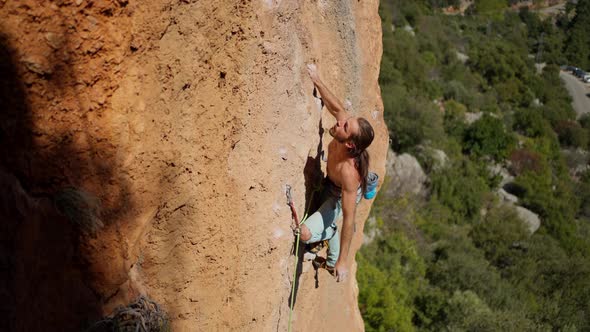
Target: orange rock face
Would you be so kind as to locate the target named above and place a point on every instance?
(186, 119)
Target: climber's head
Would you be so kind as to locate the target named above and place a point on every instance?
(355, 132)
(344, 129)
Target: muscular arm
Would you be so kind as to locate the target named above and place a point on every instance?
(350, 185)
(332, 103)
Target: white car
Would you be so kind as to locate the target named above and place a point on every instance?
(586, 78)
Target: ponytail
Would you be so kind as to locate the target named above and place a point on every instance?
(359, 150)
(362, 165)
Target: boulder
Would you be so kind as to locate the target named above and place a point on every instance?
(462, 57)
(405, 174)
(506, 196)
(530, 218)
(496, 169)
(440, 158)
(471, 117)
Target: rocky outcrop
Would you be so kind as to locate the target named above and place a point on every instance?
(185, 119)
(530, 218)
(405, 174)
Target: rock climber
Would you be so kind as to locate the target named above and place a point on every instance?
(346, 181)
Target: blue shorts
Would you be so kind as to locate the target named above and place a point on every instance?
(322, 223)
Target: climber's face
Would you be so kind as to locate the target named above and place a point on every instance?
(343, 130)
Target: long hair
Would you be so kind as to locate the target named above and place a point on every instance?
(359, 152)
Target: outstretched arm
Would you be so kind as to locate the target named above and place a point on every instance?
(332, 103)
(349, 191)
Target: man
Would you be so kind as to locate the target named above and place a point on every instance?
(347, 169)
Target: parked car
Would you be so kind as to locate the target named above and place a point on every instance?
(579, 73)
(586, 79)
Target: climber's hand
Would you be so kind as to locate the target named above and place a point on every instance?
(312, 69)
(340, 271)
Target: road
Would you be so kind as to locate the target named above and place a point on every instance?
(579, 92)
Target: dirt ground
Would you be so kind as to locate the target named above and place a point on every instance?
(186, 120)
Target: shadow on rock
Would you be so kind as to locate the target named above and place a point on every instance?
(313, 180)
(47, 210)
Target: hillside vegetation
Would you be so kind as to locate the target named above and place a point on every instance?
(460, 259)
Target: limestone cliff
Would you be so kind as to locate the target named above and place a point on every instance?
(185, 119)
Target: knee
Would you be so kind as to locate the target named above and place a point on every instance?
(305, 234)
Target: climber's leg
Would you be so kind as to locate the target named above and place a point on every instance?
(319, 226)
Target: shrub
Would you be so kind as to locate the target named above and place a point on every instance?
(497, 234)
(585, 121)
(530, 122)
(583, 192)
(522, 160)
(390, 274)
(554, 200)
(411, 120)
(487, 137)
(571, 134)
(491, 8)
(454, 118)
(456, 90)
(461, 189)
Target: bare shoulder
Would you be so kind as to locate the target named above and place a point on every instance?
(350, 177)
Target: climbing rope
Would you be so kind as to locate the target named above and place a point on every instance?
(298, 232)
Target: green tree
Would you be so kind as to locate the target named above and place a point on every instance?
(454, 119)
(583, 192)
(488, 137)
(461, 189)
(492, 8)
(530, 122)
(498, 235)
(577, 47)
(571, 134)
(390, 275)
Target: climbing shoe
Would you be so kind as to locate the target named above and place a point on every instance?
(320, 263)
(314, 248)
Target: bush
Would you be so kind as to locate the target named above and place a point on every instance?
(390, 274)
(571, 134)
(491, 8)
(459, 265)
(487, 137)
(585, 121)
(530, 122)
(454, 119)
(498, 234)
(554, 200)
(524, 160)
(461, 189)
(583, 192)
(411, 120)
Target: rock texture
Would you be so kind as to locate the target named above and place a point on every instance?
(405, 175)
(530, 218)
(186, 119)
